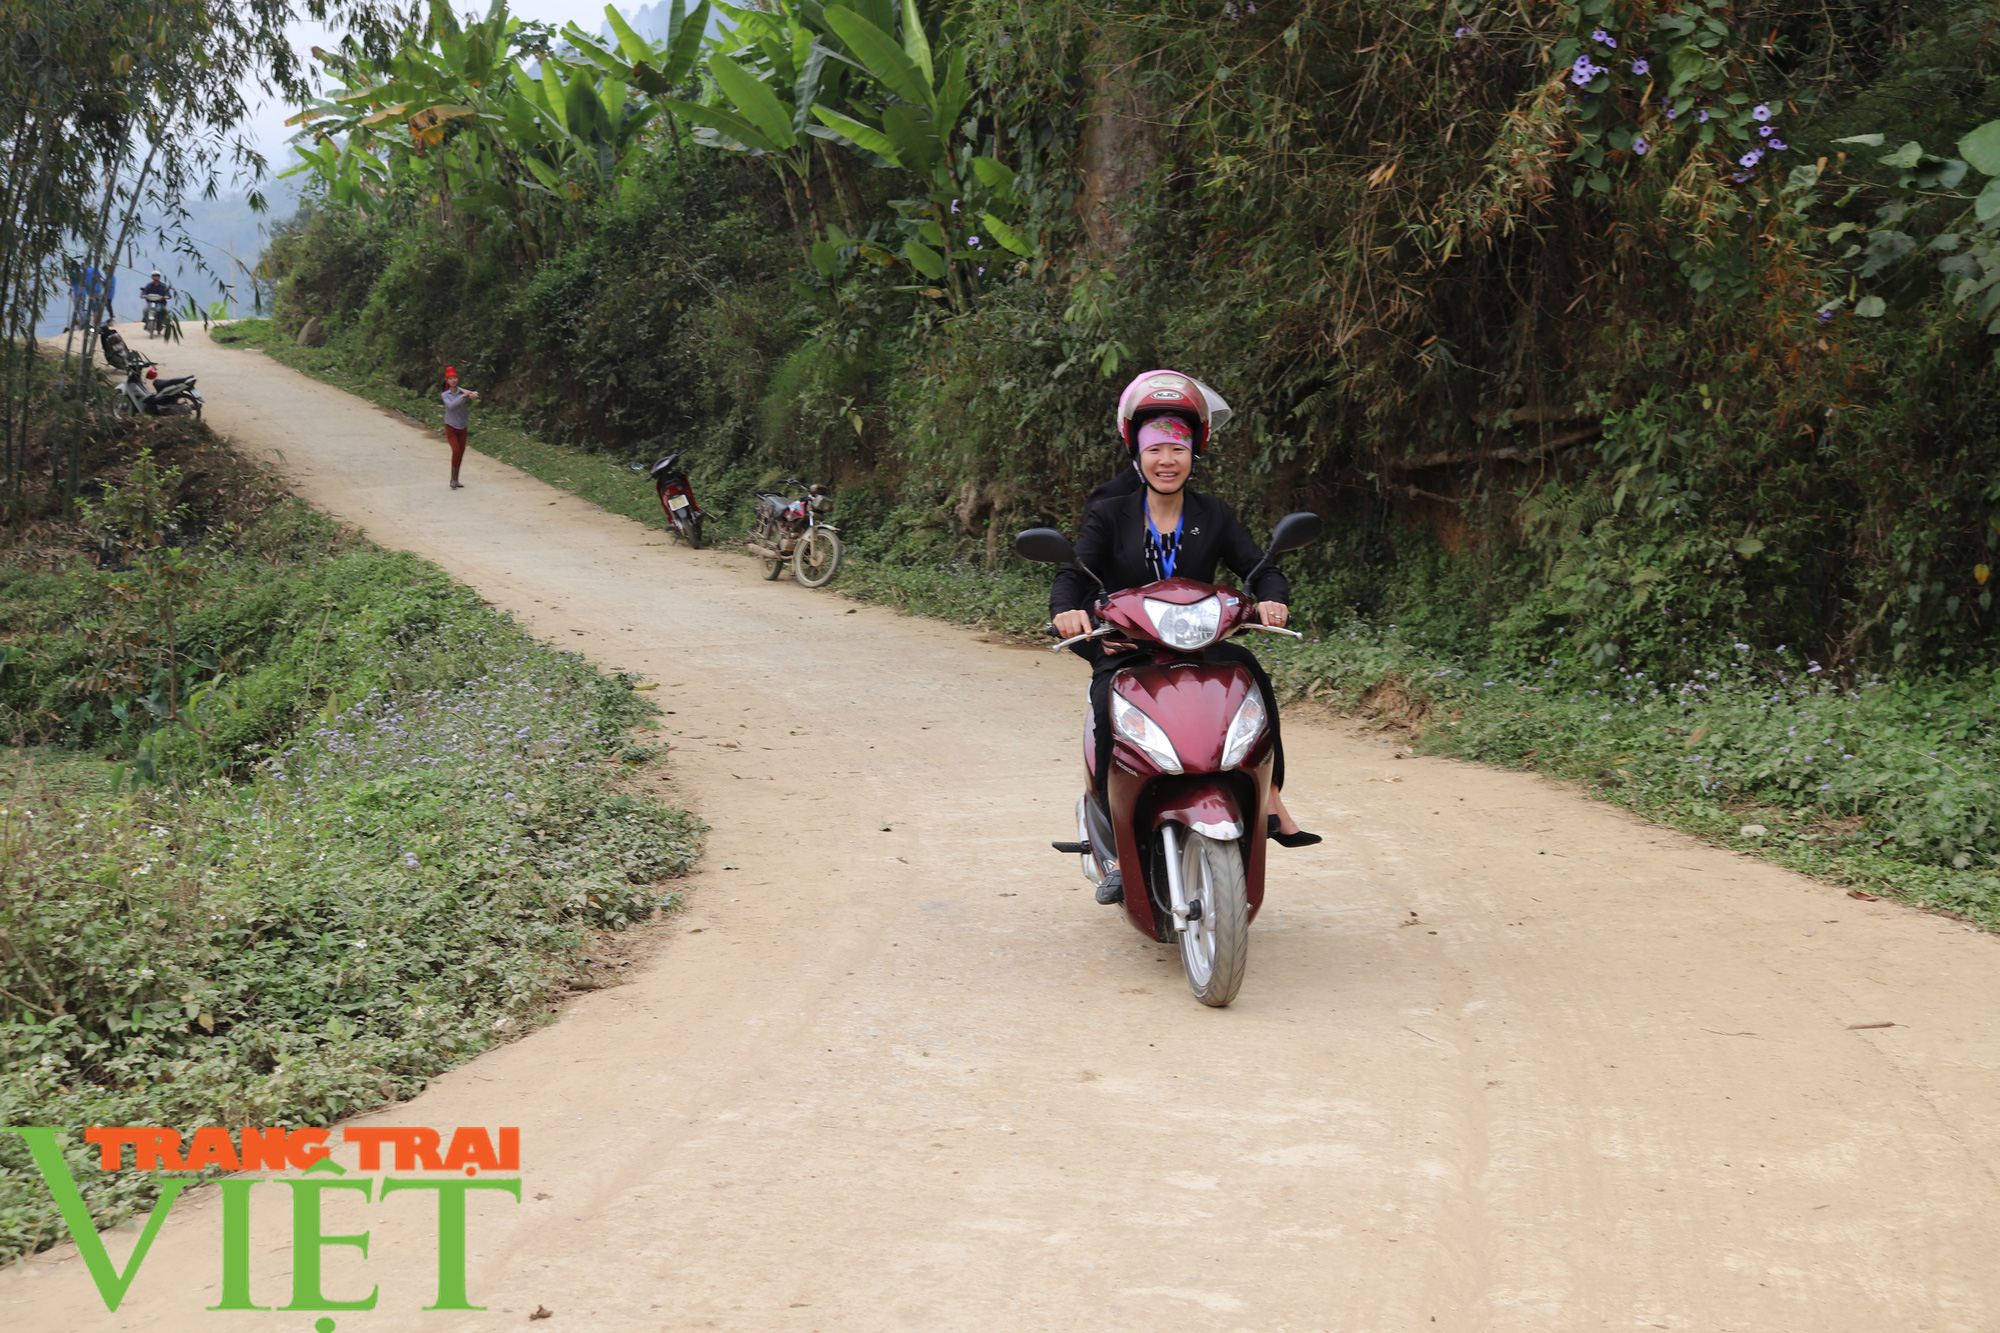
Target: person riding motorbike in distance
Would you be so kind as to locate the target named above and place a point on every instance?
(1158, 531)
(154, 295)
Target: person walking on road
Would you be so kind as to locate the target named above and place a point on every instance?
(457, 416)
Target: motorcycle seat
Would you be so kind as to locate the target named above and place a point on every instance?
(161, 386)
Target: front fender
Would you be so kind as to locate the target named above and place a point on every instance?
(1210, 808)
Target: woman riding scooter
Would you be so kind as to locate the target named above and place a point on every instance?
(1163, 530)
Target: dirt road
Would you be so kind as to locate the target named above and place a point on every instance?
(1506, 1059)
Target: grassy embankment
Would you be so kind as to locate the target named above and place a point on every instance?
(1889, 788)
(384, 829)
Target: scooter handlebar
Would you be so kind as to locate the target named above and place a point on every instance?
(1097, 633)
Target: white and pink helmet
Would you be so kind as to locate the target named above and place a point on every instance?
(1162, 392)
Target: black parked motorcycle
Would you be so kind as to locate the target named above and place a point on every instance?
(792, 528)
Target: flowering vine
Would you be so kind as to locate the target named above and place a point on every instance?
(1697, 101)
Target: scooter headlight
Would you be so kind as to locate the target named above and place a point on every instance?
(1188, 626)
(1244, 728)
(1143, 732)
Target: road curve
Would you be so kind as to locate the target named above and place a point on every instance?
(1506, 1059)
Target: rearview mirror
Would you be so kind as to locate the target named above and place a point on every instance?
(1294, 531)
(1046, 545)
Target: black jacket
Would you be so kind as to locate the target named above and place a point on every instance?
(1112, 545)
(1125, 483)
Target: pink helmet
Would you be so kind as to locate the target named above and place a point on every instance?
(1158, 392)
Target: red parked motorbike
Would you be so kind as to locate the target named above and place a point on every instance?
(1189, 788)
(677, 498)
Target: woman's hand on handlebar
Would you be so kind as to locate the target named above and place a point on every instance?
(1069, 624)
(1274, 614)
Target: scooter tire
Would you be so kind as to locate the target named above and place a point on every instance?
(773, 566)
(122, 409)
(694, 538)
(1215, 950)
(817, 558)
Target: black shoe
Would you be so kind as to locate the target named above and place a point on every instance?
(1299, 839)
(1112, 890)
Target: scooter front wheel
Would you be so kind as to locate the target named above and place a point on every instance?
(817, 558)
(694, 533)
(122, 408)
(1215, 948)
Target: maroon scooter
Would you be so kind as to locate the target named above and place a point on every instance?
(670, 479)
(1190, 782)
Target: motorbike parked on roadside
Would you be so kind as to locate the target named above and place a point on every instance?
(685, 515)
(1190, 781)
(794, 528)
(144, 393)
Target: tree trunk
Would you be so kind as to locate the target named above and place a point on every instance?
(1118, 150)
(845, 192)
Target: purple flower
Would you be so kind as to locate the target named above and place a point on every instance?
(1760, 112)
(1673, 114)
(1641, 67)
(1823, 316)
(1605, 38)
(1701, 117)
(1765, 131)
(1639, 145)
(1739, 178)
(1778, 146)
(1751, 158)
(1463, 31)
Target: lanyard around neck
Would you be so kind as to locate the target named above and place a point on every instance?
(1168, 556)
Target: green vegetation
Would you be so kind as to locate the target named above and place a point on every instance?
(322, 823)
(1617, 341)
(1888, 786)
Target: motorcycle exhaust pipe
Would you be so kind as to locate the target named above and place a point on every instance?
(763, 551)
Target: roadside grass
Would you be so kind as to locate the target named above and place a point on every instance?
(400, 842)
(1891, 788)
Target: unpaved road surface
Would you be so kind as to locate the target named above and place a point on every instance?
(912, 1077)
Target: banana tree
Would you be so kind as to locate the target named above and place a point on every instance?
(406, 110)
(913, 129)
(595, 123)
(769, 70)
(511, 150)
(656, 72)
(350, 177)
